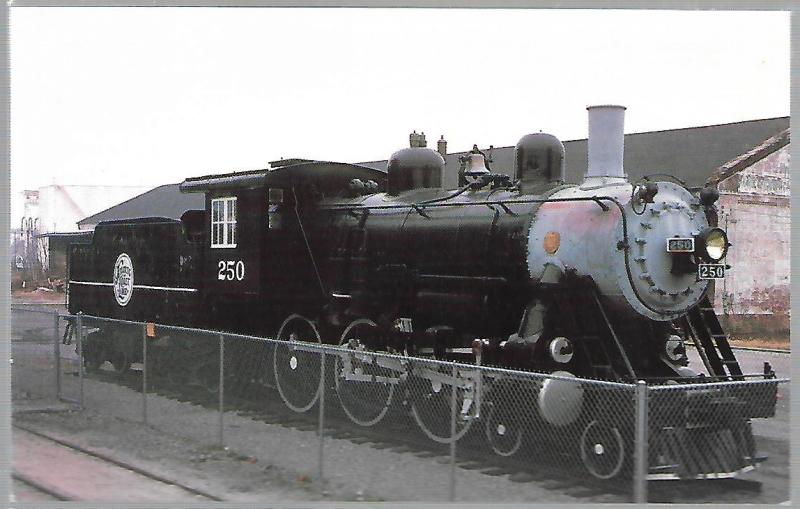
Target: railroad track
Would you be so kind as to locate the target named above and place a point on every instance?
(33, 490)
(66, 471)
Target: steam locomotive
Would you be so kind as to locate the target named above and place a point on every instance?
(606, 279)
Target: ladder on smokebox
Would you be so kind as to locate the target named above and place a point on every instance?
(702, 324)
(593, 331)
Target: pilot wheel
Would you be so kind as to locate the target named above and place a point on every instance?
(504, 421)
(602, 449)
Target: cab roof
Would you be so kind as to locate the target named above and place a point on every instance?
(326, 175)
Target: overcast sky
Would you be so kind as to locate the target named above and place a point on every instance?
(151, 96)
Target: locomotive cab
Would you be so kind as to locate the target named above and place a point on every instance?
(261, 234)
(233, 234)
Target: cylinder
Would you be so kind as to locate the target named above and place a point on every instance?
(606, 141)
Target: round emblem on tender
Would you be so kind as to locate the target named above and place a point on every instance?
(123, 279)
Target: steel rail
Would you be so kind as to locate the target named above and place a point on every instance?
(47, 490)
(118, 463)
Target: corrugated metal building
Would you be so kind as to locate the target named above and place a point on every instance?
(691, 154)
(164, 201)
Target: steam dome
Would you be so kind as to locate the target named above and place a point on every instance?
(539, 158)
(414, 168)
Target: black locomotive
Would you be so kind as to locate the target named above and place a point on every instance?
(604, 279)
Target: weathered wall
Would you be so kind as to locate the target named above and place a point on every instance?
(754, 209)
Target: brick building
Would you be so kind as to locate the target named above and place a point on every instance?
(754, 209)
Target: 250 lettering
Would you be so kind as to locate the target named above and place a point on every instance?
(711, 271)
(230, 270)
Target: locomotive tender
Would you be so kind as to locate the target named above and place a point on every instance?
(605, 279)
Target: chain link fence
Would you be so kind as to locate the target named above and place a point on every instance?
(705, 430)
(41, 351)
(596, 433)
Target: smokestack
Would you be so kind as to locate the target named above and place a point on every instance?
(441, 146)
(606, 141)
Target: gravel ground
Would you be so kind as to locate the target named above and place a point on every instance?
(217, 471)
(264, 462)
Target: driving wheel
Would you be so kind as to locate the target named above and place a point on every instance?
(297, 370)
(365, 389)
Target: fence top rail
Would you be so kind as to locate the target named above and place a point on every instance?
(718, 385)
(338, 350)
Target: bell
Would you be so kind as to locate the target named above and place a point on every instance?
(476, 168)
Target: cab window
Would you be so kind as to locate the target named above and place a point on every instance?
(223, 222)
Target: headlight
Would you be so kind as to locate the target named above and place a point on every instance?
(713, 244)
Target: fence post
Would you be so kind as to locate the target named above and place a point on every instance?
(452, 493)
(221, 390)
(144, 373)
(321, 418)
(57, 354)
(641, 455)
(80, 359)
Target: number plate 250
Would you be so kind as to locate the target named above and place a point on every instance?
(711, 271)
(230, 270)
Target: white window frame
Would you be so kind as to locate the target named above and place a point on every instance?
(224, 221)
